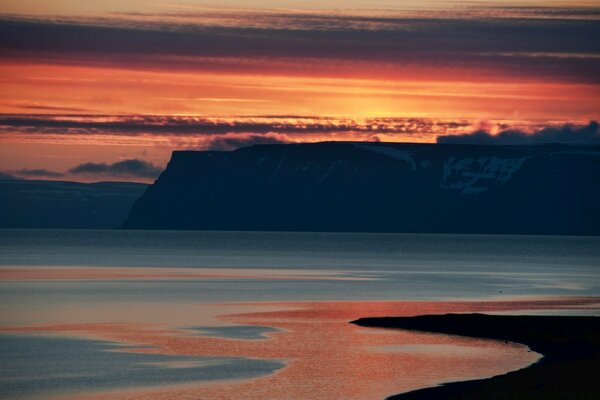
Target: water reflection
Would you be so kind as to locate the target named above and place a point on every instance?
(325, 357)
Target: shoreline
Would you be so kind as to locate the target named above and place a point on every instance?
(570, 346)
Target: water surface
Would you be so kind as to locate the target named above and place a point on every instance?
(215, 314)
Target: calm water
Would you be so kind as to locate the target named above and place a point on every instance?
(385, 266)
(98, 311)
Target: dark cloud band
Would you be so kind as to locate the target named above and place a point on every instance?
(38, 173)
(132, 168)
(589, 134)
(129, 169)
(309, 44)
(174, 125)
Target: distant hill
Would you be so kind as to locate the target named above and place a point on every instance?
(378, 187)
(51, 204)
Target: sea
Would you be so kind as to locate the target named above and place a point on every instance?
(113, 314)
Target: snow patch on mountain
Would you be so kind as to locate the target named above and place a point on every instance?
(472, 176)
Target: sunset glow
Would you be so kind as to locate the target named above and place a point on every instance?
(282, 72)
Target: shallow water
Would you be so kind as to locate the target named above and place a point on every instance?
(270, 311)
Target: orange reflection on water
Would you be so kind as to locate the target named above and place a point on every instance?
(325, 356)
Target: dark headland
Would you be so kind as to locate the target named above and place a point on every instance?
(378, 187)
(568, 370)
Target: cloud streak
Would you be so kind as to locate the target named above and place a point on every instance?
(227, 133)
(217, 133)
(38, 173)
(175, 125)
(318, 43)
(235, 141)
(589, 134)
(132, 168)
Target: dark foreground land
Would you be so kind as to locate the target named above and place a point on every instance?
(570, 368)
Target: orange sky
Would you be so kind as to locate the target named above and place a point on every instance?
(506, 65)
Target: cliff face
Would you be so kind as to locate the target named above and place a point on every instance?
(378, 187)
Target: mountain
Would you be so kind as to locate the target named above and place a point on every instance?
(378, 187)
(52, 204)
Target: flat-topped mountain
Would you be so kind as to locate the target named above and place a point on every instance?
(378, 187)
(54, 204)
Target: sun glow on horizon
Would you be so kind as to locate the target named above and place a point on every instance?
(310, 61)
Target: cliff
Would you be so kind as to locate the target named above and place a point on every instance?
(378, 187)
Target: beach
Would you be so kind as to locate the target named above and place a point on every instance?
(570, 347)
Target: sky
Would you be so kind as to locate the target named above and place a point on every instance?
(106, 90)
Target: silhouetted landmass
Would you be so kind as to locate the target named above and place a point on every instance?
(52, 204)
(378, 187)
(568, 370)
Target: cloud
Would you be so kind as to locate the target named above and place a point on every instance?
(49, 108)
(235, 141)
(7, 177)
(131, 125)
(132, 168)
(39, 173)
(227, 133)
(539, 42)
(589, 134)
(193, 132)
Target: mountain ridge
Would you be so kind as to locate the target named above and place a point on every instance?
(42, 204)
(378, 187)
